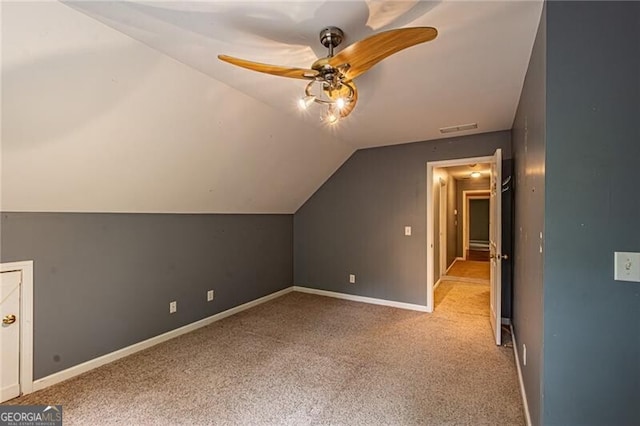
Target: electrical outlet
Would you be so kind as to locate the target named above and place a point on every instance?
(524, 354)
(209, 295)
(627, 266)
(173, 307)
(352, 278)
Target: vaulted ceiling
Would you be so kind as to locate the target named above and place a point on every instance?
(123, 106)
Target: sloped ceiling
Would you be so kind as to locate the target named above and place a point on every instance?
(94, 121)
(123, 106)
(472, 72)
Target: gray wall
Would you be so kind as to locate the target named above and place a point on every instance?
(104, 281)
(591, 322)
(355, 222)
(479, 219)
(465, 185)
(576, 145)
(507, 237)
(529, 141)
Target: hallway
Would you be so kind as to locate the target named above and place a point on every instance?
(469, 269)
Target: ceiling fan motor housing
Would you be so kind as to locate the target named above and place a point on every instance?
(331, 37)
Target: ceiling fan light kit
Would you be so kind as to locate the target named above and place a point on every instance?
(332, 84)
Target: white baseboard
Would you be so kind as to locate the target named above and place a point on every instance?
(121, 353)
(363, 299)
(452, 263)
(523, 393)
(435, 286)
(129, 350)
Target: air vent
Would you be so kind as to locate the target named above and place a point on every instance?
(459, 128)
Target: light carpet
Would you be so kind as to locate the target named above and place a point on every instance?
(470, 269)
(305, 359)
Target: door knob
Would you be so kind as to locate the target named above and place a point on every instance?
(9, 319)
(504, 257)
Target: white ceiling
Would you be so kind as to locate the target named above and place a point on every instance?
(472, 72)
(124, 107)
(95, 121)
(464, 172)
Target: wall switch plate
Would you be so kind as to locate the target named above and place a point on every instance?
(352, 278)
(173, 307)
(209, 295)
(627, 266)
(407, 230)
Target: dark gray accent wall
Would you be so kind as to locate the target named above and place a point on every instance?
(507, 237)
(591, 322)
(104, 281)
(529, 140)
(576, 144)
(479, 219)
(355, 222)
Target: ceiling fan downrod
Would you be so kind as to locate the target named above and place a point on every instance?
(331, 37)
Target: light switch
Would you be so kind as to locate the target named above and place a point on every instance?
(407, 230)
(627, 266)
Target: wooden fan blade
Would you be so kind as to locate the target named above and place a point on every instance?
(365, 53)
(306, 74)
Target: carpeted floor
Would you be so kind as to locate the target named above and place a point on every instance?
(470, 269)
(305, 359)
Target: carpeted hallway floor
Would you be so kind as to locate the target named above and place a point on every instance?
(304, 359)
(470, 269)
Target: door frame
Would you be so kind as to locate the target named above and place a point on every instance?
(442, 227)
(26, 323)
(471, 194)
(430, 215)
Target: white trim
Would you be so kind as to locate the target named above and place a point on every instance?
(429, 217)
(26, 323)
(523, 393)
(363, 299)
(435, 286)
(442, 226)
(452, 263)
(121, 353)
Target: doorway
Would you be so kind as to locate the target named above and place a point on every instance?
(16, 329)
(475, 220)
(479, 174)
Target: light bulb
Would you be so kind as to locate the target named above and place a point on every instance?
(332, 117)
(340, 103)
(305, 101)
(476, 174)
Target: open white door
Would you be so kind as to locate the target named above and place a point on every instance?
(10, 334)
(495, 243)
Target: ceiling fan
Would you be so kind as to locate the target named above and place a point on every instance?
(331, 78)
